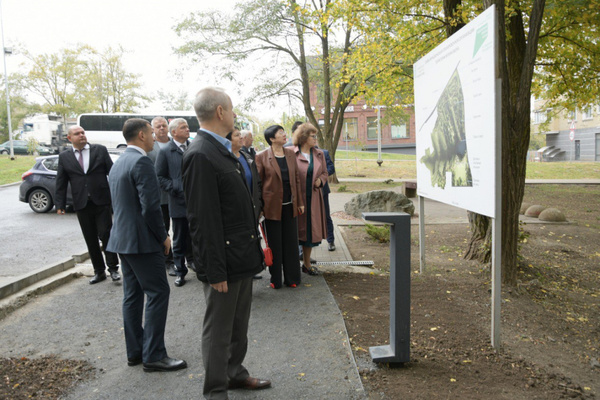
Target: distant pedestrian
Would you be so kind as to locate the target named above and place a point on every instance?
(86, 167)
(140, 238)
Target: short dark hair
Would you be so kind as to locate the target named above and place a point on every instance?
(296, 125)
(132, 126)
(271, 131)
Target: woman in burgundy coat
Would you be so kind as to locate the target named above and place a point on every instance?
(282, 204)
(313, 175)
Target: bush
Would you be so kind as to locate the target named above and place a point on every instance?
(378, 233)
(342, 188)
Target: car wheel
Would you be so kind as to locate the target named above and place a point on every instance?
(3, 152)
(40, 201)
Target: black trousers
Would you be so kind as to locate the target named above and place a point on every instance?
(167, 221)
(225, 336)
(283, 240)
(96, 223)
(144, 276)
(182, 246)
(330, 237)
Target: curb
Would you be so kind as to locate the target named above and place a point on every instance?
(19, 290)
(9, 184)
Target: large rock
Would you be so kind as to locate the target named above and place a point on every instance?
(534, 210)
(379, 201)
(552, 215)
(524, 207)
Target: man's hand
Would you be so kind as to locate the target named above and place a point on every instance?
(167, 244)
(318, 183)
(60, 211)
(301, 210)
(220, 287)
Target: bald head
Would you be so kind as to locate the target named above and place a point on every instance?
(214, 110)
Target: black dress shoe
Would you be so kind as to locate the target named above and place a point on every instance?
(171, 270)
(98, 278)
(132, 362)
(180, 281)
(166, 364)
(115, 276)
(331, 247)
(257, 276)
(250, 384)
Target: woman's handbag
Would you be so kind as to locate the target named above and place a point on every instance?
(267, 250)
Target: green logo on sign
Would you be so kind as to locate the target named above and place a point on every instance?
(482, 34)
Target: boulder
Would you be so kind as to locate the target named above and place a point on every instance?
(534, 210)
(379, 201)
(552, 215)
(524, 207)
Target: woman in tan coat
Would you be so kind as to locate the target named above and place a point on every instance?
(282, 204)
(313, 175)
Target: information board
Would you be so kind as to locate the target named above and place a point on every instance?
(455, 115)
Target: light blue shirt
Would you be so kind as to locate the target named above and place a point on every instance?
(219, 139)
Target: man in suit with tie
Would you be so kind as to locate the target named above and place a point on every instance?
(86, 167)
(226, 242)
(140, 238)
(168, 169)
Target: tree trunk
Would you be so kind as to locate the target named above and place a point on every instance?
(479, 247)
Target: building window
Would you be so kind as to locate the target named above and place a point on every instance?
(572, 115)
(587, 113)
(399, 131)
(371, 127)
(350, 129)
(539, 116)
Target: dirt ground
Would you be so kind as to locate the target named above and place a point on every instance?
(550, 321)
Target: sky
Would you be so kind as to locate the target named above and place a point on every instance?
(143, 28)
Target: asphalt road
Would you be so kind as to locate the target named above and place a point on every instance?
(29, 241)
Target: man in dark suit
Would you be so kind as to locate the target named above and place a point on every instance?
(86, 167)
(140, 238)
(168, 169)
(161, 140)
(226, 243)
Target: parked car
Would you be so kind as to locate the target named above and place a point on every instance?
(20, 147)
(39, 184)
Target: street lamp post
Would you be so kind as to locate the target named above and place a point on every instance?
(379, 159)
(6, 51)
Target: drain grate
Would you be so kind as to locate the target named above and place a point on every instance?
(364, 262)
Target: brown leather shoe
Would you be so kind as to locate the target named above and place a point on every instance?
(250, 384)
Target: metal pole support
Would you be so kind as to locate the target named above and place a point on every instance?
(398, 351)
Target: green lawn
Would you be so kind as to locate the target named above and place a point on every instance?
(399, 166)
(363, 164)
(11, 170)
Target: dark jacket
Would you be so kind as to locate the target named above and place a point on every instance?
(220, 212)
(138, 224)
(330, 171)
(256, 185)
(92, 185)
(168, 170)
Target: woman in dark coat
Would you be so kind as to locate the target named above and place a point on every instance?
(313, 175)
(282, 204)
